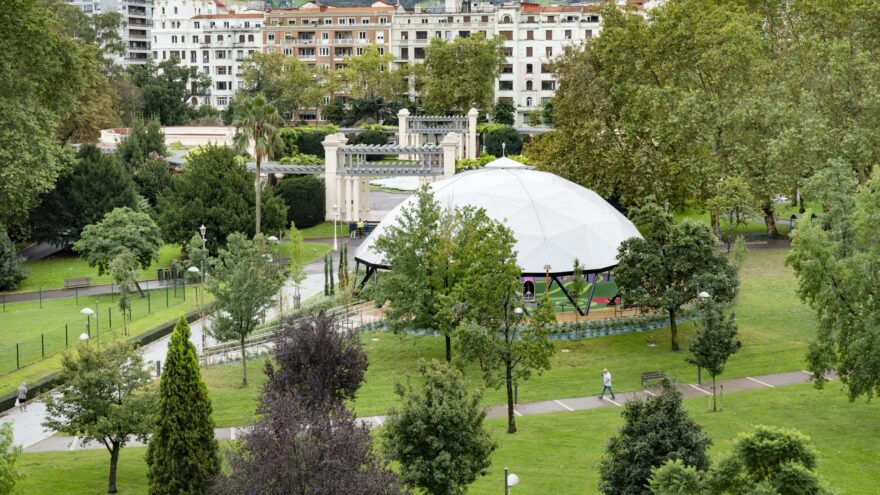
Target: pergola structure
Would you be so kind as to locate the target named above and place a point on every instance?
(417, 130)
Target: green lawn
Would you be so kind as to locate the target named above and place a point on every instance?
(312, 251)
(774, 326)
(49, 273)
(325, 230)
(559, 453)
(24, 322)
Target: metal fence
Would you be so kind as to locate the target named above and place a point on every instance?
(105, 323)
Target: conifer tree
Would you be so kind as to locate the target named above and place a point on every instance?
(183, 456)
(332, 289)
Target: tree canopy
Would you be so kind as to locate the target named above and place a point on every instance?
(121, 229)
(451, 84)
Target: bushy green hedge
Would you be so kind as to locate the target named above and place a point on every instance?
(305, 139)
(372, 137)
(492, 140)
(467, 164)
(304, 196)
(302, 159)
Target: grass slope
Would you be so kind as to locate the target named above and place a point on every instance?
(774, 326)
(560, 453)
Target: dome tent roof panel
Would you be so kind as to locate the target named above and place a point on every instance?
(553, 220)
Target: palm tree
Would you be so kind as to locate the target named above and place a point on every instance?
(257, 120)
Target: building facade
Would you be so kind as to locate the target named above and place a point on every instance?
(211, 37)
(135, 29)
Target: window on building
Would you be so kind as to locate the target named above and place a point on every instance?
(529, 86)
(193, 58)
(365, 20)
(568, 34)
(528, 101)
(220, 54)
(342, 22)
(287, 51)
(528, 68)
(328, 21)
(362, 35)
(509, 51)
(221, 70)
(530, 18)
(270, 37)
(528, 51)
(196, 24)
(549, 34)
(421, 35)
(251, 38)
(404, 53)
(551, 18)
(424, 20)
(222, 101)
(419, 53)
(359, 51)
(175, 10)
(164, 57)
(467, 18)
(588, 33)
(163, 10)
(206, 70)
(530, 35)
(505, 19)
(485, 18)
(548, 85)
(221, 86)
(548, 51)
(325, 52)
(507, 35)
(241, 38)
(381, 51)
(383, 20)
(507, 69)
(325, 36)
(239, 55)
(464, 34)
(505, 85)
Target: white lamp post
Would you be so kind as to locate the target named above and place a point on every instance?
(84, 337)
(703, 296)
(335, 218)
(88, 312)
(510, 481)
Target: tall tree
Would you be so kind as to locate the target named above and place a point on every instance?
(655, 430)
(317, 361)
(96, 185)
(734, 204)
(183, 455)
(296, 266)
(451, 84)
(510, 354)
(124, 270)
(671, 265)
(12, 271)
(286, 81)
(9, 454)
(258, 121)
(214, 190)
(437, 434)
(834, 261)
(767, 460)
(295, 448)
(578, 282)
(714, 342)
(121, 229)
(502, 113)
(169, 89)
(104, 397)
(244, 284)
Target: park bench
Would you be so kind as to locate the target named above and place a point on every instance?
(70, 283)
(752, 237)
(652, 376)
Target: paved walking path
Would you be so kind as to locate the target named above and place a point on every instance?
(27, 426)
(570, 404)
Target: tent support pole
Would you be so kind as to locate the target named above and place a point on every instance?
(590, 297)
(561, 286)
(370, 271)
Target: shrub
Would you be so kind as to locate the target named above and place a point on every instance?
(304, 196)
(12, 270)
(301, 159)
(495, 137)
(371, 137)
(305, 140)
(467, 164)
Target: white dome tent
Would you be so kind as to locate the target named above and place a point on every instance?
(553, 220)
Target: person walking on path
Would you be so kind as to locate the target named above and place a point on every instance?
(22, 397)
(606, 384)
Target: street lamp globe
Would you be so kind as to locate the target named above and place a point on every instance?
(703, 296)
(193, 269)
(83, 336)
(203, 230)
(272, 238)
(518, 310)
(87, 311)
(512, 480)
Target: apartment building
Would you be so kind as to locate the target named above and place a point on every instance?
(135, 29)
(324, 36)
(533, 35)
(211, 36)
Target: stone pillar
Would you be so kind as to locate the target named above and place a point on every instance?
(356, 199)
(364, 183)
(341, 199)
(449, 144)
(332, 186)
(472, 134)
(402, 130)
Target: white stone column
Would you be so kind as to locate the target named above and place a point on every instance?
(472, 152)
(341, 199)
(349, 203)
(449, 143)
(332, 187)
(402, 130)
(355, 198)
(365, 197)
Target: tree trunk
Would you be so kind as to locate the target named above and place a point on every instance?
(258, 193)
(243, 363)
(448, 349)
(714, 405)
(114, 460)
(674, 327)
(511, 416)
(138, 286)
(770, 220)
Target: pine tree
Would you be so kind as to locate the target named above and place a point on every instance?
(183, 456)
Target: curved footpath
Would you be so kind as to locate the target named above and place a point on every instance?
(27, 426)
(689, 390)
